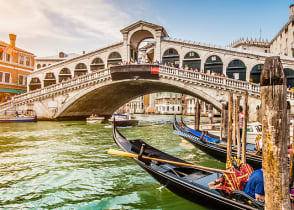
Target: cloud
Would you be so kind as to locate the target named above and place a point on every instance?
(45, 27)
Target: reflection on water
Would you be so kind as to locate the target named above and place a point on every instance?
(65, 165)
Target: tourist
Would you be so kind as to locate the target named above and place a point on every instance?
(255, 186)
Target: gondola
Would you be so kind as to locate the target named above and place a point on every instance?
(211, 145)
(187, 182)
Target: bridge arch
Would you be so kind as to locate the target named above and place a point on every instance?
(49, 79)
(114, 58)
(171, 56)
(255, 73)
(64, 74)
(237, 70)
(214, 63)
(105, 98)
(192, 60)
(97, 64)
(80, 69)
(35, 84)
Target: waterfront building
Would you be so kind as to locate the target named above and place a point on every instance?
(15, 65)
(135, 106)
(41, 62)
(168, 103)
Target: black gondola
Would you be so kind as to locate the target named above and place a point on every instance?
(189, 183)
(206, 142)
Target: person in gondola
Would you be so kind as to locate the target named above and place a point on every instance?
(255, 185)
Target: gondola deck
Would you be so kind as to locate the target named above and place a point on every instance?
(187, 182)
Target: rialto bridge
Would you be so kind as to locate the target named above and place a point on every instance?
(84, 85)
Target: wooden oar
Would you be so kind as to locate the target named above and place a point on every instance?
(234, 149)
(126, 154)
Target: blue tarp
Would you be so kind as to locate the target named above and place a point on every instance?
(207, 138)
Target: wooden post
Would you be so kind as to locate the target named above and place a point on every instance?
(234, 123)
(210, 114)
(291, 170)
(238, 127)
(288, 122)
(197, 114)
(257, 113)
(274, 120)
(229, 139)
(222, 123)
(225, 129)
(244, 130)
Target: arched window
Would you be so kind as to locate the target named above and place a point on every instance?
(44, 65)
(171, 56)
(214, 63)
(80, 69)
(237, 70)
(39, 66)
(114, 59)
(49, 79)
(192, 60)
(255, 73)
(35, 84)
(289, 74)
(64, 74)
(97, 64)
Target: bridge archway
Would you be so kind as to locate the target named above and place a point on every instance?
(80, 69)
(114, 58)
(237, 70)
(97, 64)
(107, 97)
(289, 74)
(137, 46)
(213, 63)
(255, 73)
(64, 75)
(35, 84)
(192, 60)
(171, 56)
(49, 79)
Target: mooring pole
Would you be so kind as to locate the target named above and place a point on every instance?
(229, 139)
(225, 129)
(222, 123)
(234, 123)
(238, 127)
(274, 136)
(197, 114)
(244, 130)
(291, 169)
(288, 122)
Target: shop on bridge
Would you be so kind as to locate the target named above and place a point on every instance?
(192, 60)
(237, 70)
(213, 63)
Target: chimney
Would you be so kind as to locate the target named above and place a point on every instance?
(12, 38)
(291, 11)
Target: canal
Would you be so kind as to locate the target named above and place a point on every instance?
(64, 165)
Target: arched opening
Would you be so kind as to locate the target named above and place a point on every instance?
(49, 79)
(289, 74)
(213, 63)
(255, 73)
(64, 75)
(114, 59)
(44, 65)
(192, 60)
(171, 57)
(35, 84)
(142, 46)
(97, 64)
(80, 69)
(39, 66)
(237, 70)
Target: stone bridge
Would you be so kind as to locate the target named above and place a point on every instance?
(102, 92)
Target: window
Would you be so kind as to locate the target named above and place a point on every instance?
(21, 80)
(1, 53)
(28, 62)
(21, 59)
(173, 94)
(1, 76)
(179, 95)
(8, 57)
(7, 77)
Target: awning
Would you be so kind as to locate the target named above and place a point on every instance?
(6, 90)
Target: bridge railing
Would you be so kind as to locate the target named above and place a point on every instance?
(211, 79)
(55, 87)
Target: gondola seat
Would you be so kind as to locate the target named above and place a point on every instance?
(204, 181)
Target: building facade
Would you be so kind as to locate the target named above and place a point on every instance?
(15, 65)
(41, 62)
(168, 103)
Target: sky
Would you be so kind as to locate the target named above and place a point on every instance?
(46, 27)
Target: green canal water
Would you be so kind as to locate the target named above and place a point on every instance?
(64, 165)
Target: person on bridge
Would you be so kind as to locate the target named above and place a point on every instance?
(255, 185)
